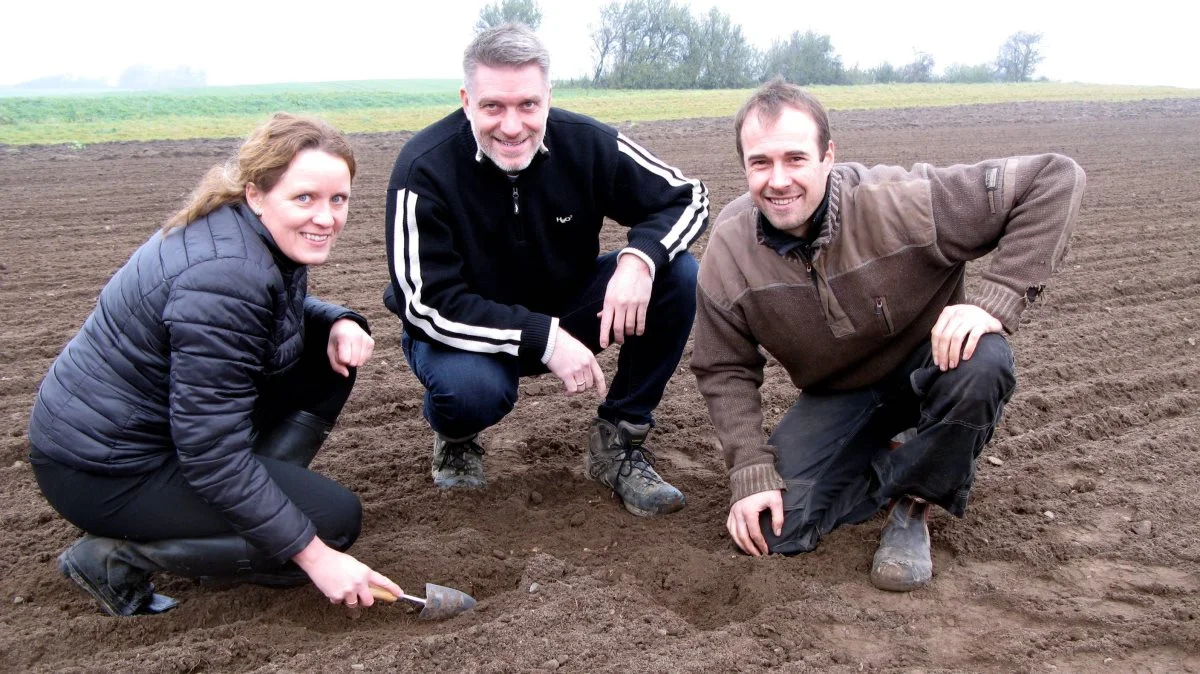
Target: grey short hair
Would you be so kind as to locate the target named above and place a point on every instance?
(507, 45)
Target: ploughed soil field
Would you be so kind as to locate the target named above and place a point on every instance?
(1080, 551)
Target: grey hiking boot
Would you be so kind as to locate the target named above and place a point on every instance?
(457, 463)
(902, 562)
(617, 459)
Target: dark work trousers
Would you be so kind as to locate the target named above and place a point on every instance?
(161, 505)
(466, 392)
(834, 451)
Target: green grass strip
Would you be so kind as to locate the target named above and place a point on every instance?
(359, 107)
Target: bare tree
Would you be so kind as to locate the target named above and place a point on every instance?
(1018, 57)
(804, 58)
(920, 70)
(604, 39)
(506, 11)
(720, 56)
(643, 44)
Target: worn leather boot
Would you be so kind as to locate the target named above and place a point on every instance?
(296, 439)
(902, 562)
(102, 568)
(116, 572)
(618, 459)
(457, 463)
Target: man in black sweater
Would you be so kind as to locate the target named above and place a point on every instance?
(493, 222)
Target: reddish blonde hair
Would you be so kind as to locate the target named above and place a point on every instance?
(262, 159)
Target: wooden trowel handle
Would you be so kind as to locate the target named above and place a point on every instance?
(382, 594)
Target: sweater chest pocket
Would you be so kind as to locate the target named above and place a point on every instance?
(883, 315)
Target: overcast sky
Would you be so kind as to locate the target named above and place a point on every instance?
(252, 41)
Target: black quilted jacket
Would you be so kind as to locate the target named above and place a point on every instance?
(171, 362)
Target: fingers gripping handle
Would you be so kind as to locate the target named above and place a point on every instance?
(383, 595)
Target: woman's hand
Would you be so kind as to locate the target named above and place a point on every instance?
(340, 577)
(349, 346)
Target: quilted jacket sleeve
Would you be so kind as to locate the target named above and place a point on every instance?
(219, 319)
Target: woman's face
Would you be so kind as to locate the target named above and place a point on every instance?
(307, 208)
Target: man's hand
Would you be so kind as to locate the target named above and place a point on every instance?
(349, 346)
(625, 300)
(575, 365)
(960, 322)
(743, 520)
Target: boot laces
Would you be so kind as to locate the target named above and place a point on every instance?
(454, 454)
(636, 457)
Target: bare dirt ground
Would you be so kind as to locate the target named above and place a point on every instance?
(1080, 552)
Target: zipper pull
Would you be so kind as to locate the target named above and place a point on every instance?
(878, 306)
(516, 204)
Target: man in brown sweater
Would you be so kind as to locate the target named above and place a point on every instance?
(852, 279)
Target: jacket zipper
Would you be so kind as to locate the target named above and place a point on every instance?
(516, 199)
(804, 255)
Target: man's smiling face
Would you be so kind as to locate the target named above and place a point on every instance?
(507, 107)
(785, 168)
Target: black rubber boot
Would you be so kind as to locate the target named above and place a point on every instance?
(296, 439)
(120, 583)
(116, 573)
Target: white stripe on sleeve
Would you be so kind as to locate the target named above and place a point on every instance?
(687, 227)
(405, 241)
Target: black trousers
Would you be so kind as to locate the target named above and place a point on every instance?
(161, 505)
(834, 453)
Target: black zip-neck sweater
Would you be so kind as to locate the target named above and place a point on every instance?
(484, 261)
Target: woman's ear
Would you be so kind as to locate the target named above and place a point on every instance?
(254, 198)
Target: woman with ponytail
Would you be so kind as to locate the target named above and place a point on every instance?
(176, 428)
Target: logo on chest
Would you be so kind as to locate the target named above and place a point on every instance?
(564, 219)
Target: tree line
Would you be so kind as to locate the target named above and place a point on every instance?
(660, 44)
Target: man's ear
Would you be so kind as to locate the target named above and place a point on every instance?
(466, 100)
(829, 153)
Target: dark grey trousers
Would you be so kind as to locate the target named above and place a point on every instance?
(834, 450)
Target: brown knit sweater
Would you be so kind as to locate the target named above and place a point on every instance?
(890, 255)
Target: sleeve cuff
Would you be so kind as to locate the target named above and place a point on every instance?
(551, 339)
(641, 256)
(752, 479)
(649, 250)
(535, 337)
(356, 317)
(1002, 303)
(298, 544)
